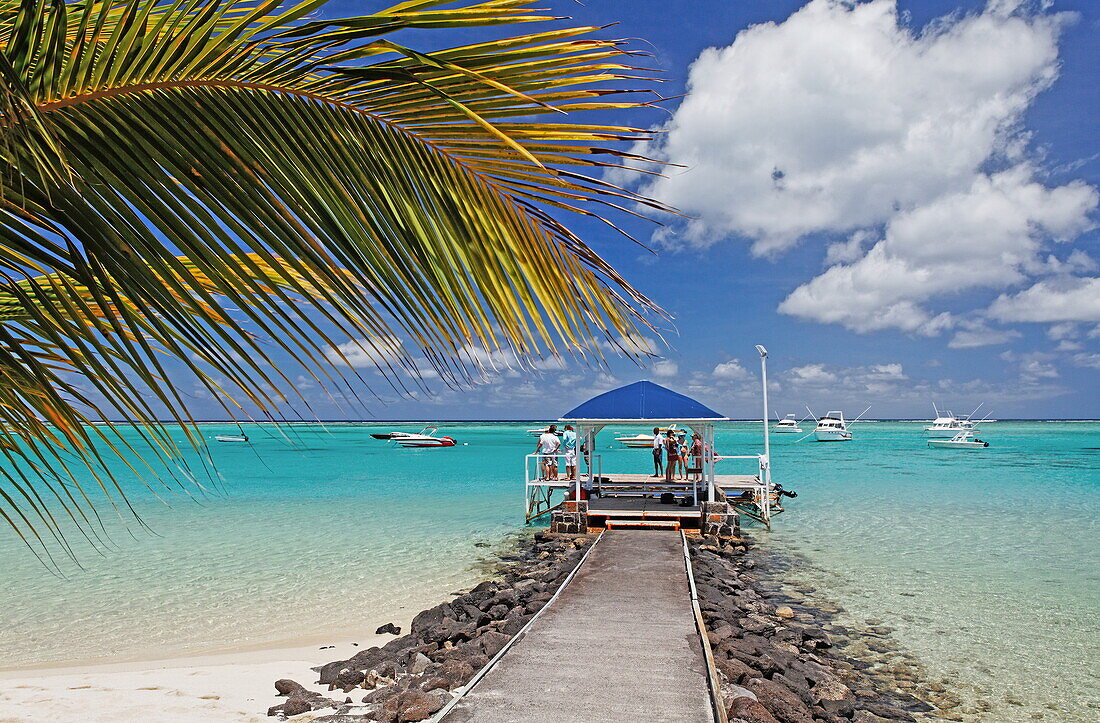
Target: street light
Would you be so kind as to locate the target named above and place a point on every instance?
(764, 377)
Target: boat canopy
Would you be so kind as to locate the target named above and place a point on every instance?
(642, 401)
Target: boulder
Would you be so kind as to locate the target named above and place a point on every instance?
(491, 642)
(411, 705)
(780, 701)
(834, 696)
(388, 628)
(784, 611)
(285, 686)
(750, 711)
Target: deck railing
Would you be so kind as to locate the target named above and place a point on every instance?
(539, 490)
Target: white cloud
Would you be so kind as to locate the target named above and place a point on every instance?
(989, 235)
(1086, 360)
(811, 374)
(361, 353)
(1065, 330)
(978, 333)
(731, 371)
(632, 343)
(842, 119)
(840, 115)
(1056, 299)
(666, 368)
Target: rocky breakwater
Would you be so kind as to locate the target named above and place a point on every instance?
(774, 658)
(411, 677)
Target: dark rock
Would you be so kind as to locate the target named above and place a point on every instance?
(750, 711)
(491, 643)
(412, 705)
(285, 686)
(780, 701)
(454, 673)
(431, 617)
(388, 628)
(734, 670)
(348, 679)
(292, 707)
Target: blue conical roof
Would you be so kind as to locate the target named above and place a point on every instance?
(642, 400)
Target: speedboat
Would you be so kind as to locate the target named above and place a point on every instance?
(642, 441)
(962, 440)
(424, 439)
(388, 435)
(832, 428)
(788, 425)
(231, 437)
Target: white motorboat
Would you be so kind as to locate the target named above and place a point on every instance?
(426, 438)
(231, 437)
(642, 441)
(832, 428)
(542, 431)
(946, 425)
(788, 425)
(962, 440)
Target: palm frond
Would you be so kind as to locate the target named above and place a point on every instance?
(205, 182)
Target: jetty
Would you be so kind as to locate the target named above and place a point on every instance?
(620, 643)
(699, 498)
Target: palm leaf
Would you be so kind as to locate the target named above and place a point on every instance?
(178, 172)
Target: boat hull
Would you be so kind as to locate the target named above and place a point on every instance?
(425, 443)
(832, 435)
(950, 444)
(239, 438)
(786, 430)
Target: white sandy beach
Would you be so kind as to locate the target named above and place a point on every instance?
(222, 687)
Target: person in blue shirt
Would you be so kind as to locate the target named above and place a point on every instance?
(569, 446)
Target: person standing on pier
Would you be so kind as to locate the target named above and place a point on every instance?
(658, 451)
(673, 446)
(548, 446)
(569, 446)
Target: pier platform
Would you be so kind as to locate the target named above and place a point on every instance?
(619, 644)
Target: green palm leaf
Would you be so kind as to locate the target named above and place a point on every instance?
(176, 172)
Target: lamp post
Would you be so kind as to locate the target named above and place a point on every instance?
(764, 376)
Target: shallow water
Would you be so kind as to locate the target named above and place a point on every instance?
(985, 563)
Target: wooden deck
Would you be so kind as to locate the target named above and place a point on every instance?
(619, 644)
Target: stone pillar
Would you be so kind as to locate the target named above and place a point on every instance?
(570, 518)
(720, 520)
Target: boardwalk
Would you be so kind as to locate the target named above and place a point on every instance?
(619, 644)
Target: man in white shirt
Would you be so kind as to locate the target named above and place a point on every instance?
(548, 446)
(658, 451)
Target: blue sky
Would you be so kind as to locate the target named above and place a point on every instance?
(897, 199)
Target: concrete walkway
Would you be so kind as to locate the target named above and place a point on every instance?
(619, 644)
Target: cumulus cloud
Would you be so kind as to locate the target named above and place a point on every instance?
(632, 343)
(368, 353)
(730, 371)
(978, 333)
(1052, 300)
(666, 368)
(811, 374)
(842, 119)
(989, 235)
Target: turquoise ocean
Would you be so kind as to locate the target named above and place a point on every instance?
(985, 564)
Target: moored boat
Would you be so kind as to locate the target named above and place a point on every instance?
(787, 425)
(832, 428)
(642, 441)
(231, 437)
(424, 439)
(962, 440)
